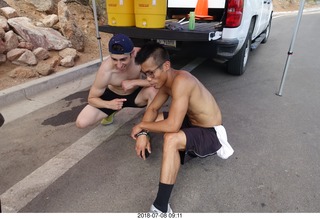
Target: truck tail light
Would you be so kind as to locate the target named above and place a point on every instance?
(234, 13)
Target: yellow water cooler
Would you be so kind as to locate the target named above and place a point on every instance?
(150, 13)
(120, 13)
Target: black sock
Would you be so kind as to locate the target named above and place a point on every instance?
(163, 196)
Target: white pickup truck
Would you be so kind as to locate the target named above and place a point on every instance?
(237, 27)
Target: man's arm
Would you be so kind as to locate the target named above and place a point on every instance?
(143, 141)
(129, 84)
(178, 109)
(152, 110)
(100, 84)
(177, 112)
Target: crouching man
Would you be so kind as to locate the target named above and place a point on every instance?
(118, 84)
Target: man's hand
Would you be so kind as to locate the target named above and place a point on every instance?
(142, 142)
(135, 130)
(143, 146)
(116, 104)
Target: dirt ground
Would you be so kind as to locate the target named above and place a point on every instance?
(85, 19)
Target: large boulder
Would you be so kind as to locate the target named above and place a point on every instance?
(4, 23)
(11, 40)
(69, 27)
(47, 38)
(3, 47)
(43, 5)
(8, 12)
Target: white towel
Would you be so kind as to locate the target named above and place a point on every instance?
(226, 150)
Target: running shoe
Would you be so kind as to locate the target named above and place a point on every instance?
(153, 209)
(108, 120)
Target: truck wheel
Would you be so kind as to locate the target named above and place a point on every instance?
(267, 31)
(237, 65)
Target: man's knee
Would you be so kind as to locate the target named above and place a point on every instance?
(170, 141)
(88, 116)
(81, 123)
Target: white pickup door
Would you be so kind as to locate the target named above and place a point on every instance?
(263, 8)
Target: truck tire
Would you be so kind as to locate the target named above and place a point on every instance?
(237, 65)
(267, 31)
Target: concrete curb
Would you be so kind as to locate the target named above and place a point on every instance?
(32, 88)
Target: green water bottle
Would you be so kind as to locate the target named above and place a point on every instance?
(192, 20)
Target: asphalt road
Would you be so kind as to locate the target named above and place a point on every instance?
(48, 165)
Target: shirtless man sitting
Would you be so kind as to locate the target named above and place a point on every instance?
(192, 127)
(118, 84)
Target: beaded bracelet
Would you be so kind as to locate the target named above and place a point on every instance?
(143, 132)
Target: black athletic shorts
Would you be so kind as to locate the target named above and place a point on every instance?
(201, 142)
(110, 95)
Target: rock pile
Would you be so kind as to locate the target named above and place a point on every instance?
(28, 43)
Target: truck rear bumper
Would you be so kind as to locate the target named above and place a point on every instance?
(226, 48)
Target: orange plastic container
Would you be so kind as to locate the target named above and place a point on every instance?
(120, 13)
(150, 13)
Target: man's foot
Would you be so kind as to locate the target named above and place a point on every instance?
(108, 120)
(153, 209)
